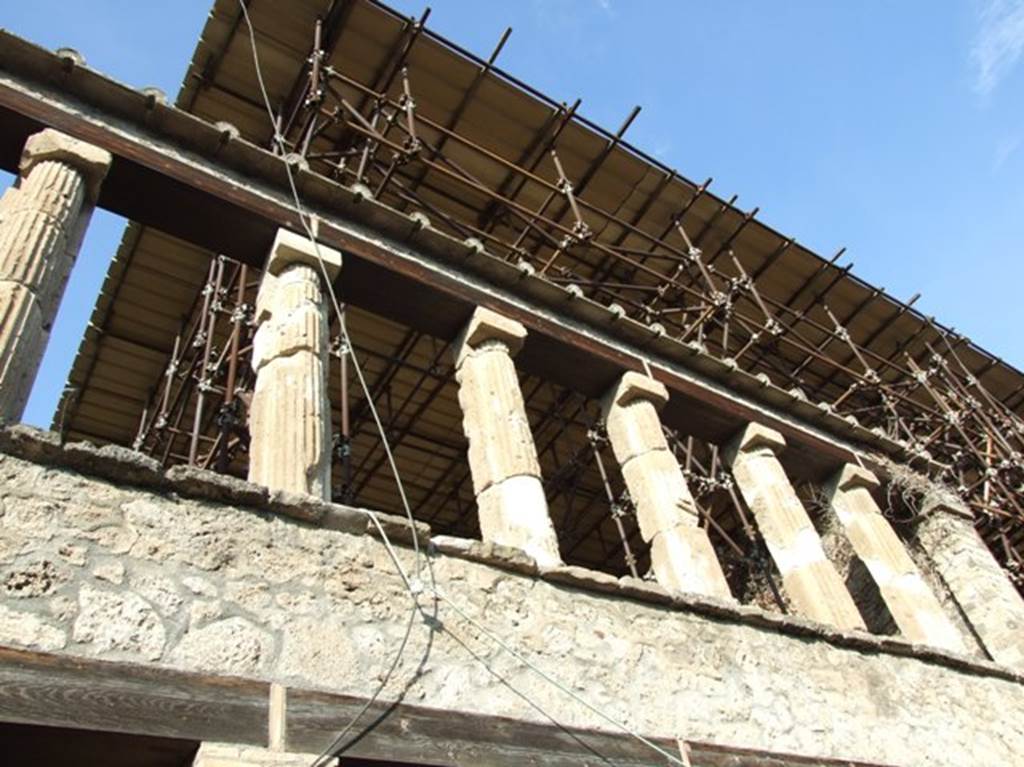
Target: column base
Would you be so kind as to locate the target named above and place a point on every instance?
(235, 755)
(515, 513)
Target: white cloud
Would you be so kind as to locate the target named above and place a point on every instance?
(998, 43)
(1004, 150)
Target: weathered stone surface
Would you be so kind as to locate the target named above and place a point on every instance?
(120, 621)
(35, 578)
(231, 755)
(111, 572)
(40, 234)
(630, 411)
(494, 419)
(22, 342)
(981, 589)
(114, 462)
(682, 557)
(345, 519)
(197, 482)
(502, 456)
(291, 248)
(230, 646)
(290, 416)
(88, 161)
(912, 605)
(515, 513)
(30, 443)
(484, 326)
(505, 557)
(397, 528)
(24, 629)
(659, 492)
(812, 582)
(667, 664)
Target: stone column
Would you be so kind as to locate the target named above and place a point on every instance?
(290, 415)
(811, 580)
(681, 553)
(502, 456)
(911, 603)
(42, 221)
(988, 600)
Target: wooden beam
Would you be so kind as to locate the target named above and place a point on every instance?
(90, 694)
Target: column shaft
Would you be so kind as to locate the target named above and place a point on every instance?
(682, 557)
(911, 603)
(502, 456)
(989, 601)
(811, 580)
(290, 415)
(41, 224)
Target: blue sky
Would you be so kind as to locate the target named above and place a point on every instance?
(894, 129)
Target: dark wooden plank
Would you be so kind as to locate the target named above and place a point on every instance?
(60, 691)
(87, 694)
(457, 738)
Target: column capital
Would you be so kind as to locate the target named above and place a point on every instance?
(632, 386)
(852, 476)
(291, 248)
(486, 325)
(752, 437)
(49, 144)
(945, 503)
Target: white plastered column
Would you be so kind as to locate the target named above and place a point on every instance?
(682, 557)
(811, 580)
(43, 219)
(290, 415)
(913, 606)
(983, 592)
(502, 456)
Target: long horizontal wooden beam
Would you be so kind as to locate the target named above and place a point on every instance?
(198, 182)
(88, 694)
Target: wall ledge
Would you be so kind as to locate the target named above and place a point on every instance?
(124, 466)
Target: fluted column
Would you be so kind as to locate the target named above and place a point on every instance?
(988, 600)
(42, 221)
(811, 580)
(682, 557)
(290, 415)
(911, 603)
(502, 456)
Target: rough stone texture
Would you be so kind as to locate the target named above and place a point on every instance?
(812, 582)
(912, 605)
(682, 556)
(494, 417)
(290, 415)
(502, 456)
(22, 340)
(326, 610)
(990, 603)
(40, 233)
(515, 513)
(230, 755)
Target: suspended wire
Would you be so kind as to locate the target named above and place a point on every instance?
(413, 587)
(304, 218)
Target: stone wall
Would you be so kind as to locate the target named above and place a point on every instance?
(165, 575)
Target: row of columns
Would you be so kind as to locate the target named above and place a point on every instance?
(513, 511)
(42, 221)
